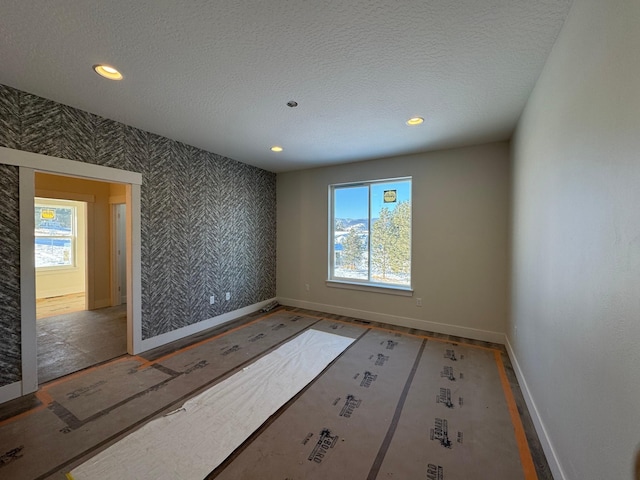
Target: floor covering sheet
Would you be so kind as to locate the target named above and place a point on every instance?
(192, 440)
(396, 403)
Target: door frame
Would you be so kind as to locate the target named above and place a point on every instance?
(28, 164)
(115, 286)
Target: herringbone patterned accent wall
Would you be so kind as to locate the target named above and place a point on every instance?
(208, 222)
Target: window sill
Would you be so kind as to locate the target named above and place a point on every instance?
(386, 289)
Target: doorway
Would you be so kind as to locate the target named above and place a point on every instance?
(28, 164)
(80, 253)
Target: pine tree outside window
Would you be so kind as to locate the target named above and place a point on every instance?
(370, 237)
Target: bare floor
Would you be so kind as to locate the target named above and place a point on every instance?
(73, 341)
(401, 383)
(63, 304)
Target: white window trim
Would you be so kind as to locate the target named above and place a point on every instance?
(372, 287)
(51, 269)
(365, 285)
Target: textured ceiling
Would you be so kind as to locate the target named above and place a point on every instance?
(217, 74)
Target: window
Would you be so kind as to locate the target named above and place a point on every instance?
(55, 233)
(370, 238)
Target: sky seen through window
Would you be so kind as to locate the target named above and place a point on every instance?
(351, 202)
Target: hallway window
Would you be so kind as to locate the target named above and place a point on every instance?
(55, 233)
(370, 238)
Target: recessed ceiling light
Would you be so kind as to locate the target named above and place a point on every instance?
(276, 148)
(415, 121)
(107, 71)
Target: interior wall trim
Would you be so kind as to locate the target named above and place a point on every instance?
(76, 197)
(547, 446)
(29, 163)
(28, 333)
(46, 163)
(180, 333)
(466, 332)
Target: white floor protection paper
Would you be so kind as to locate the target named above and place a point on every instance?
(190, 442)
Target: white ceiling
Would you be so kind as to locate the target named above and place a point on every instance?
(217, 74)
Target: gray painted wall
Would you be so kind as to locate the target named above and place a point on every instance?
(576, 269)
(208, 222)
(460, 240)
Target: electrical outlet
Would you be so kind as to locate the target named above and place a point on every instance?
(306, 287)
(212, 299)
(418, 302)
(228, 297)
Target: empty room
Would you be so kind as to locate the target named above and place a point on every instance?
(310, 240)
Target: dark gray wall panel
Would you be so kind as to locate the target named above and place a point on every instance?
(110, 144)
(40, 123)
(10, 360)
(207, 222)
(9, 117)
(213, 169)
(230, 207)
(161, 241)
(224, 225)
(76, 135)
(178, 209)
(198, 223)
(135, 146)
(265, 213)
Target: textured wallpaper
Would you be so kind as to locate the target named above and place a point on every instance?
(208, 222)
(10, 360)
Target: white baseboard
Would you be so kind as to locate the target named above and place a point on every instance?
(466, 332)
(57, 292)
(545, 441)
(183, 332)
(11, 391)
